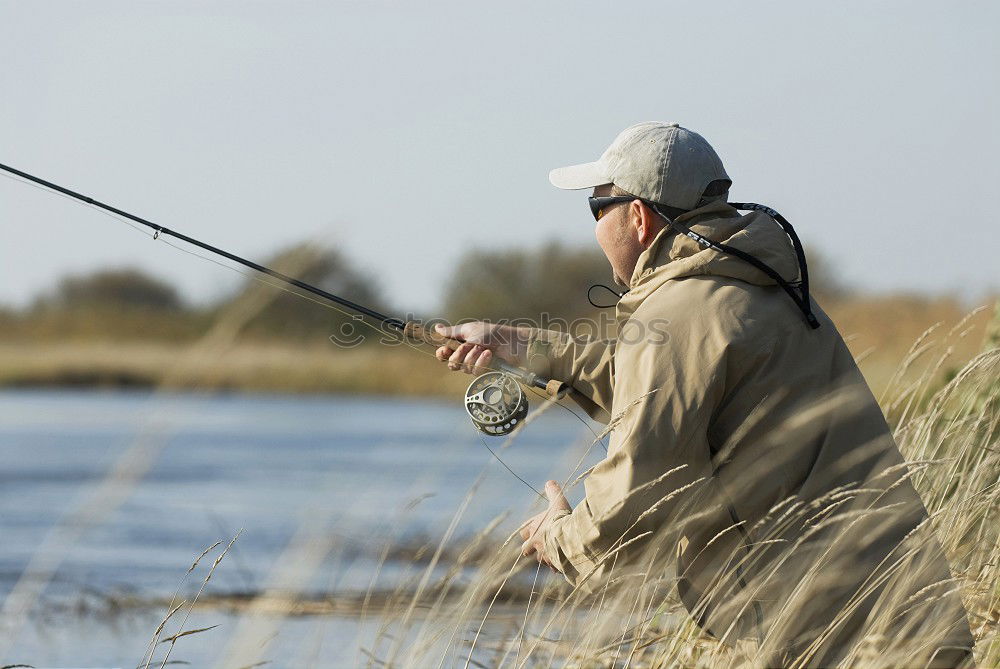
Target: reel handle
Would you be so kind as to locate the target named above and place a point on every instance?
(553, 388)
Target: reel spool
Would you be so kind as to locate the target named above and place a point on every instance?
(496, 403)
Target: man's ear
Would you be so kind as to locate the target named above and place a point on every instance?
(645, 222)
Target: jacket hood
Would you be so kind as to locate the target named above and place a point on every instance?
(674, 256)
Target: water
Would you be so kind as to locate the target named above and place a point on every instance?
(357, 472)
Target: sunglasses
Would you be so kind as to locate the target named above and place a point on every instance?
(599, 205)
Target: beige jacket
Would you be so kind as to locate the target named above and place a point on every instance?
(748, 449)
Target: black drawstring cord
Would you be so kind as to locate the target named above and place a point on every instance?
(801, 296)
(796, 244)
(799, 292)
(611, 290)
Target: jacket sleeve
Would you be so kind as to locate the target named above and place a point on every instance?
(587, 365)
(658, 461)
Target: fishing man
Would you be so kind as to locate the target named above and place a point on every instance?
(747, 450)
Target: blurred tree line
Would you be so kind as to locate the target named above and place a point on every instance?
(509, 284)
(526, 283)
(131, 304)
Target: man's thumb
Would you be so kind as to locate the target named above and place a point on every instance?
(449, 331)
(555, 495)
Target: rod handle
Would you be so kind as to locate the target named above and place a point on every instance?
(552, 387)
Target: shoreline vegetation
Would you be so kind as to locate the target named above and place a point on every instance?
(255, 367)
(879, 331)
(124, 328)
(932, 363)
(473, 599)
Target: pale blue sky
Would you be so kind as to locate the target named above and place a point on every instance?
(405, 133)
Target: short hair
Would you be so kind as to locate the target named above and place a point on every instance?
(716, 190)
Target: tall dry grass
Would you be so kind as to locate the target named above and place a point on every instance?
(492, 607)
(489, 606)
(121, 348)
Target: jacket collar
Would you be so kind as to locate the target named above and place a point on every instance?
(674, 256)
(661, 251)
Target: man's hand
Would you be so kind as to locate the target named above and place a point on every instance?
(482, 342)
(533, 531)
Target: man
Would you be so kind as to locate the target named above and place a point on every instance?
(746, 446)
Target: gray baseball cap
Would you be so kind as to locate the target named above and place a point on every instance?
(660, 162)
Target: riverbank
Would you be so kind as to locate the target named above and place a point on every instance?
(248, 367)
(879, 331)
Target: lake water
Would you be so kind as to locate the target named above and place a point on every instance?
(357, 472)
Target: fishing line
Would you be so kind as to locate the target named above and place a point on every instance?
(49, 191)
(278, 286)
(156, 236)
(402, 340)
(559, 403)
(491, 409)
(493, 453)
(258, 278)
(408, 333)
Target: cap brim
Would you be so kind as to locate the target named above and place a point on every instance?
(578, 177)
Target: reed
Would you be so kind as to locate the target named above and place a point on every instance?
(125, 349)
(491, 607)
(497, 609)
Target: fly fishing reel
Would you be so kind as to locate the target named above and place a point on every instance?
(496, 403)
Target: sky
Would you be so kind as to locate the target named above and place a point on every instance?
(404, 134)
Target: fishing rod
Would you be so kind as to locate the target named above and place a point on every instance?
(494, 401)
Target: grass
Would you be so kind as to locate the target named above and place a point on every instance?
(245, 367)
(878, 330)
(476, 602)
(491, 607)
(951, 437)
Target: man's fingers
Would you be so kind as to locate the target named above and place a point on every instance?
(530, 526)
(456, 359)
(477, 363)
(468, 365)
(528, 548)
(468, 357)
(445, 352)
